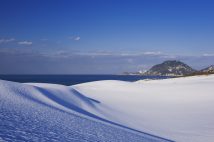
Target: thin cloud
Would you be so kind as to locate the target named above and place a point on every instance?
(3, 40)
(131, 54)
(76, 38)
(25, 43)
(208, 55)
(44, 39)
(152, 53)
(142, 53)
(109, 62)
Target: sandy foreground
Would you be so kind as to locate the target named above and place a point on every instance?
(178, 109)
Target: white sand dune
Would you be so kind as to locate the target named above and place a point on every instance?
(50, 112)
(179, 109)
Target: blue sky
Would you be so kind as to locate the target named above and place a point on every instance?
(103, 36)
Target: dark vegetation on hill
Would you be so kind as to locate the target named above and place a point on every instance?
(174, 68)
(170, 68)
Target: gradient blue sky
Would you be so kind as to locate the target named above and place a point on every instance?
(103, 36)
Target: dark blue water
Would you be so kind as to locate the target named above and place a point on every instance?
(73, 79)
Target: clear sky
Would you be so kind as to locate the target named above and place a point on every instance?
(103, 36)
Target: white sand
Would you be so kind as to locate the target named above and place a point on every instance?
(180, 109)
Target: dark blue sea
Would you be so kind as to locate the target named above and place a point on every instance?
(73, 79)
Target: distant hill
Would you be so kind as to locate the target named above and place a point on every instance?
(170, 68)
(205, 71)
(209, 69)
(173, 68)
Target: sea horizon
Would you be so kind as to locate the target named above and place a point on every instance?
(74, 79)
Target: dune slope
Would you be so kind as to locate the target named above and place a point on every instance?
(180, 109)
(49, 112)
